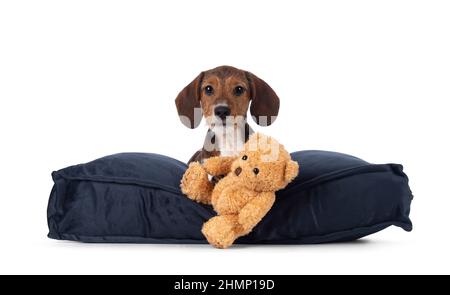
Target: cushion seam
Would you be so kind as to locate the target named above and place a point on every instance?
(331, 176)
(314, 181)
(396, 223)
(147, 184)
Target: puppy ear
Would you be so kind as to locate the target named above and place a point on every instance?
(291, 171)
(265, 102)
(188, 103)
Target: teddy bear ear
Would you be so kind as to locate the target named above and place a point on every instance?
(291, 171)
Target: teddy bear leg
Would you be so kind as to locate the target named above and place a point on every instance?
(221, 231)
(196, 185)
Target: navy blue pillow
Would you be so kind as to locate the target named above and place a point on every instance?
(135, 198)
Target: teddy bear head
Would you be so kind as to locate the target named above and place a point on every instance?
(264, 165)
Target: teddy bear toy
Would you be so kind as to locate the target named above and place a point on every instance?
(247, 191)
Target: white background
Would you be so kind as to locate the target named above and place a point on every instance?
(83, 79)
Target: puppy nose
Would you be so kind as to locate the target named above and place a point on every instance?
(238, 171)
(222, 112)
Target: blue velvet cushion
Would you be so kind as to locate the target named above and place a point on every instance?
(135, 198)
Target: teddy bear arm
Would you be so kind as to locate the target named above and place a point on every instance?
(217, 166)
(196, 185)
(252, 213)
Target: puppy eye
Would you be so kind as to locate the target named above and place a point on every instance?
(244, 158)
(256, 171)
(238, 90)
(209, 90)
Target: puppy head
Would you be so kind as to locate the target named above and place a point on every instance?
(264, 165)
(223, 96)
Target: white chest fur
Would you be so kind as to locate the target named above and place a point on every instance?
(230, 140)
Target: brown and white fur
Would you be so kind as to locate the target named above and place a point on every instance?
(223, 96)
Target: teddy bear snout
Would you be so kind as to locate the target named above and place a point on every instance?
(238, 171)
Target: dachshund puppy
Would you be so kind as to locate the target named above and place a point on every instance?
(223, 96)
